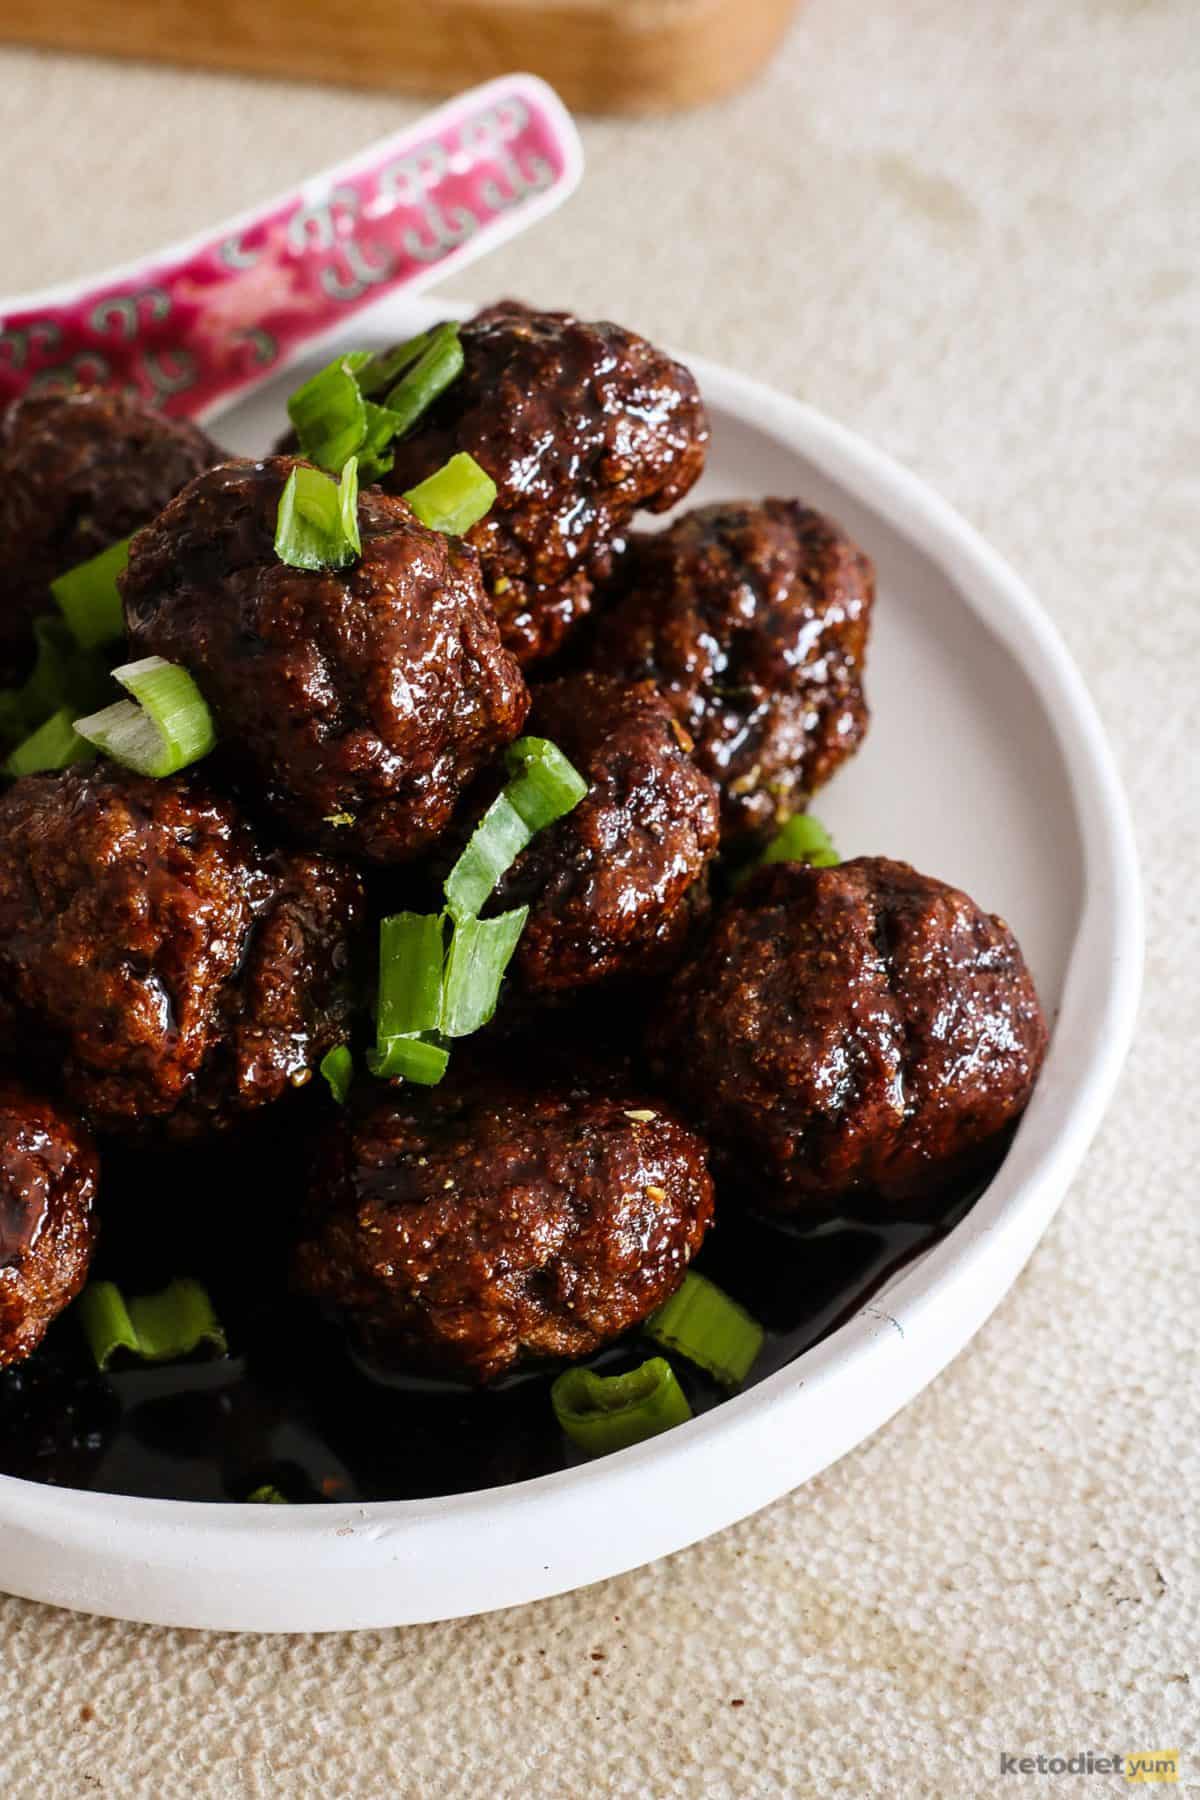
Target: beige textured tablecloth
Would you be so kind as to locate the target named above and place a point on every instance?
(968, 228)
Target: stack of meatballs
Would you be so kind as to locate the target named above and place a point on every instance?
(682, 1026)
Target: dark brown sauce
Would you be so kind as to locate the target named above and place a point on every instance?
(293, 1404)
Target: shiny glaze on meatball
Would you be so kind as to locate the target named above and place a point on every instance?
(859, 1028)
(179, 972)
(753, 620)
(578, 425)
(78, 472)
(355, 704)
(48, 1178)
(471, 1226)
(614, 886)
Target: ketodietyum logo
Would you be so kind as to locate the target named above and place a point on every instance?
(1143, 1765)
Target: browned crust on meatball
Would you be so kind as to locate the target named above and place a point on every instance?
(183, 975)
(78, 472)
(615, 886)
(578, 425)
(48, 1178)
(860, 1028)
(753, 619)
(355, 704)
(481, 1223)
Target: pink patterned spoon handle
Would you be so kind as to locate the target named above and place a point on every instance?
(197, 325)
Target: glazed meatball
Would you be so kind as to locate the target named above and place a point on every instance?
(469, 1226)
(179, 975)
(354, 704)
(78, 472)
(578, 425)
(614, 886)
(48, 1176)
(858, 1029)
(753, 620)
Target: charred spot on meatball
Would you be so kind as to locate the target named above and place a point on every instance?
(48, 1178)
(354, 705)
(481, 1224)
(753, 620)
(615, 886)
(861, 1029)
(579, 425)
(78, 472)
(180, 975)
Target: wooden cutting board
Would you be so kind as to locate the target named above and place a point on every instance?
(601, 55)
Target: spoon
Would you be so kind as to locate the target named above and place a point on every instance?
(195, 326)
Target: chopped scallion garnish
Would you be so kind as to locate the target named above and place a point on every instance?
(439, 362)
(409, 1006)
(63, 675)
(54, 745)
(317, 523)
(329, 415)
(492, 848)
(412, 1057)
(801, 839)
(480, 951)
(384, 370)
(154, 1327)
(162, 729)
(337, 1066)
(542, 787)
(602, 1413)
(711, 1330)
(427, 993)
(88, 599)
(336, 415)
(544, 784)
(455, 497)
(374, 456)
(410, 975)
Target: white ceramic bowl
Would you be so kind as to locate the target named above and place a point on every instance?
(985, 765)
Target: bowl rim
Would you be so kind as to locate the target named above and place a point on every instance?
(344, 1564)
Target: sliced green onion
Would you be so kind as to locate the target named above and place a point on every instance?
(543, 787)
(802, 839)
(454, 498)
(711, 1330)
(602, 1413)
(106, 1323)
(54, 745)
(412, 1057)
(50, 680)
(492, 848)
(62, 675)
(337, 1066)
(385, 368)
(410, 975)
(374, 457)
(480, 951)
(348, 506)
(165, 726)
(329, 414)
(267, 1495)
(317, 523)
(88, 599)
(176, 1322)
(411, 955)
(439, 363)
(155, 1327)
